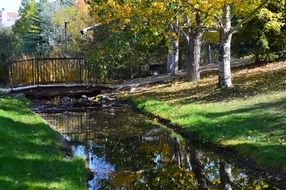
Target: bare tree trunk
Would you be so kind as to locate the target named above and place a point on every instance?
(169, 62)
(196, 55)
(188, 54)
(175, 56)
(171, 58)
(193, 54)
(225, 41)
(209, 54)
(225, 51)
(193, 51)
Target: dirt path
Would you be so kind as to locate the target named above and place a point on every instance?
(4, 91)
(135, 84)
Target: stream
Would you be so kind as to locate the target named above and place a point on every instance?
(127, 150)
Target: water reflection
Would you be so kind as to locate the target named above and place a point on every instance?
(128, 151)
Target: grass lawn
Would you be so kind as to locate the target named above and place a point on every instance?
(249, 117)
(30, 156)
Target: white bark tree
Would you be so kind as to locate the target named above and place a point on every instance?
(225, 45)
(226, 32)
(173, 56)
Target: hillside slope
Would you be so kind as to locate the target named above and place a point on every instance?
(250, 117)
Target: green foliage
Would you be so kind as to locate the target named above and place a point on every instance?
(30, 152)
(134, 35)
(264, 36)
(6, 52)
(77, 17)
(36, 40)
(23, 25)
(40, 29)
(122, 54)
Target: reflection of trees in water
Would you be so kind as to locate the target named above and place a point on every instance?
(226, 176)
(147, 158)
(84, 126)
(198, 168)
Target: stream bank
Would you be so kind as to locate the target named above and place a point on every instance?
(128, 150)
(30, 152)
(276, 177)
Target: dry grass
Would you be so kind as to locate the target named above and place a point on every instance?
(247, 83)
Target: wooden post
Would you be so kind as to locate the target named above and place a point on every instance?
(33, 73)
(22, 73)
(10, 76)
(80, 72)
(53, 70)
(38, 72)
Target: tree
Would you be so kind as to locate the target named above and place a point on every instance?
(36, 40)
(192, 18)
(76, 16)
(156, 18)
(6, 52)
(226, 32)
(33, 28)
(263, 36)
(22, 25)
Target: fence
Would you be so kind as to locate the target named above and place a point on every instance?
(43, 71)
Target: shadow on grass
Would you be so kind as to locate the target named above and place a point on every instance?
(248, 86)
(31, 158)
(206, 90)
(14, 105)
(258, 120)
(275, 155)
(278, 106)
(256, 131)
(25, 172)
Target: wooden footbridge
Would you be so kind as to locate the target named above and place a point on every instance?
(54, 76)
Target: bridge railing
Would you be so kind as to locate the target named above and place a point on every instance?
(43, 71)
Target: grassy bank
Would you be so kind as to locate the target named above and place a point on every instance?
(250, 117)
(30, 156)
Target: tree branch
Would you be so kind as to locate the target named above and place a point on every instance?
(219, 21)
(248, 17)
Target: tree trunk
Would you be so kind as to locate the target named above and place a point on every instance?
(169, 62)
(197, 55)
(188, 54)
(175, 49)
(225, 51)
(193, 55)
(209, 54)
(175, 56)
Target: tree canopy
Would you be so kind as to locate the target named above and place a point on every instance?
(133, 34)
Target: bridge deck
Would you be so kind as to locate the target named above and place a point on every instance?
(60, 90)
(30, 87)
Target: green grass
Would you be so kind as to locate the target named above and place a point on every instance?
(250, 117)
(30, 156)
